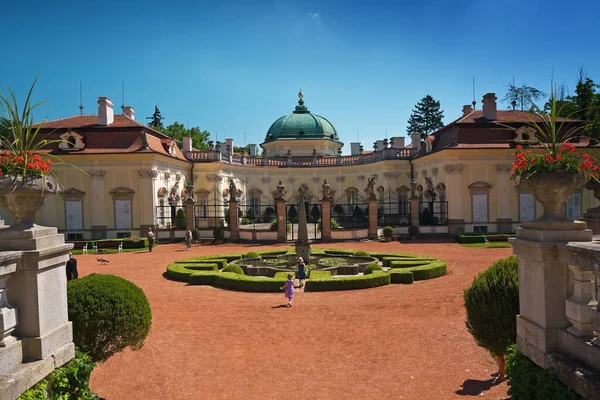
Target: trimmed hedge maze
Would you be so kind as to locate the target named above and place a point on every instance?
(216, 270)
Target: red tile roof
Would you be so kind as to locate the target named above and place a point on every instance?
(476, 116)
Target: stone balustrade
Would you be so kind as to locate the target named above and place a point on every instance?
(298, 161)
(559, 287)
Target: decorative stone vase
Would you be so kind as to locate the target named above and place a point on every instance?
(553, 189)
(594, 186)
(24, 196)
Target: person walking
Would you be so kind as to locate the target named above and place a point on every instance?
(288, 288)
(301, 266)
(188, 239)
(72, 268)
(150, 239)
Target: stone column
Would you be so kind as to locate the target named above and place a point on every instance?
(414, 211)
(10, 349)
(189, 212)
(373, 218)
(543, 285)
(504, 220)
(98, 203)
(281, 221)
(454, 193)
(147, 199)
(38, 290)
(234, 222)
(326, 219)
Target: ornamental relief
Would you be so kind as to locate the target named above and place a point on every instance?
(149, 173)
(453, 169)
(97, 173)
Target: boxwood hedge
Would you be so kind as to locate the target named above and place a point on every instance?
(401, 276)
(318, 283)
(407, 263)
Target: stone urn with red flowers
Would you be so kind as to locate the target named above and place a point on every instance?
(26, 177)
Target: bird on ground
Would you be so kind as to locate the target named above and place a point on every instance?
(102, 260)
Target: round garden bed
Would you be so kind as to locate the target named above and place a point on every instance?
(330, 269)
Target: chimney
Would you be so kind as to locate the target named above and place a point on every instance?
(467, 109)
(187, 144)
(398, 142)
(253, 150)
(355, 148)
(229, 143)
(415, 142)
(106, 115)
(380, 145)
(129, 112)
(489, 107)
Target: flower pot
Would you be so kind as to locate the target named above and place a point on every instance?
(553, 189)
(24, 196)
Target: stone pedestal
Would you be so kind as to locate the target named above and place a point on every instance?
(543, 285)
(189, 213)
(326, 219)
(234, 221)
(373, 218)
(303, 250)
(37, 292)
(281, 221)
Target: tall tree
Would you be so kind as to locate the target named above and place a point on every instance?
(178, 131)
(522, 97)
(426, 117)
(156, 120)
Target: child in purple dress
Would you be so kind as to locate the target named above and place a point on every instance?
(289, 288)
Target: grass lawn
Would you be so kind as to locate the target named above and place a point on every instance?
(491, 245)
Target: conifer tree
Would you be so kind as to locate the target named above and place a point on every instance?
(426, 117)
(156, 120)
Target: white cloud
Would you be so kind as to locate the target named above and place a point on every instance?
(315, 16)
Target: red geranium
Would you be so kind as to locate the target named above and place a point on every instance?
(26, 164)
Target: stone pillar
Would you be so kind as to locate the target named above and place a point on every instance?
(234, 221)
(373, 218)
(325, 219)
(579, 312)
(189, 213)
(454, 193)
(98, 203)
(281, 221)
(414, 211)
(503, 191)
(10, 349)
(543, 285)
(38, 290)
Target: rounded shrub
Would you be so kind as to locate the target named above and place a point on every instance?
(361, 253)
(218, 233)
(388, 231)
(109, 314)
(251, 254)
(374, 266)
(236, 269)
(492, 304)
(195, 233)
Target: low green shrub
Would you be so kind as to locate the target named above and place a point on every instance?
(178, 272)
(195, 233)
(401, 276)
(228, 257)
(339, 252)
(251, 254)
(372, 267)
(388, 231)
(319, 283)
(246, 283)
(413, 230)
(360, 253)
(273, 227)
(96, 299)
(202, 278)
(236, 269)
(316, 275)
(433, 270)
(527, 381)
(71, 381)
(218, 233)
(273, 252)
(407, 263)
(201, 266)
(283, 275)
(221, 262)
(465, 239)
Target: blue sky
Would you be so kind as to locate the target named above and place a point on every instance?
(234, 67)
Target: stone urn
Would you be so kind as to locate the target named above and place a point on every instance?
(553, 189)
(594, 186)
(23, 196)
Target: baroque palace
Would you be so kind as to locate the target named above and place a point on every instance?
(130, 177)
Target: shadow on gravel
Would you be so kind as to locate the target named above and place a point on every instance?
(473, 387)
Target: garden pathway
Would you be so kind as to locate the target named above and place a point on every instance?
(392, 342)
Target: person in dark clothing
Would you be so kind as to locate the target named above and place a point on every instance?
(72, 268)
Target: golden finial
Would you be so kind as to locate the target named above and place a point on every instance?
(300, 94)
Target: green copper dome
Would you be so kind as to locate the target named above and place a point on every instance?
(301, 124)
